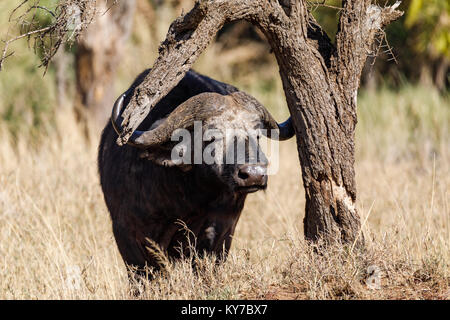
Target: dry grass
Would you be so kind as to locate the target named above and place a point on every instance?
(56, 240)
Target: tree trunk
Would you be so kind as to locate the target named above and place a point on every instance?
(426, 78)
(320, 82)
(98, 55)
(441, 75)
(61, 61)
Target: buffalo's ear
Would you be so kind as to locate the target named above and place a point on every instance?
(162, 157)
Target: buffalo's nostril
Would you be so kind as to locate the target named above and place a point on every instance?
(242, 175)
(252, 175)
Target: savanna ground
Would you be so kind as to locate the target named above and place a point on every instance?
(56, 240)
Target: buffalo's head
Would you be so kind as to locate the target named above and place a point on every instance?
(214, 133)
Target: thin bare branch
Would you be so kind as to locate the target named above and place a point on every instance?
(7, 43)
(68, 20)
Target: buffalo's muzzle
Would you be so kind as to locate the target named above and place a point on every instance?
(251, 177)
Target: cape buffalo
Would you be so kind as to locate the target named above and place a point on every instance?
(148, 193)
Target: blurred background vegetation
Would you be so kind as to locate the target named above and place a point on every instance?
(415, 53)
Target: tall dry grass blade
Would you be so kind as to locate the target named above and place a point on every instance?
(159, 255)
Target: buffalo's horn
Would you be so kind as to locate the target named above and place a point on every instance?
(197, 108)
(285, 129)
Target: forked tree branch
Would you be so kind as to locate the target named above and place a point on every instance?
(190, 34)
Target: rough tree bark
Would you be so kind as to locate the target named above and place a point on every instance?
(98, 55)
(320, 82)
